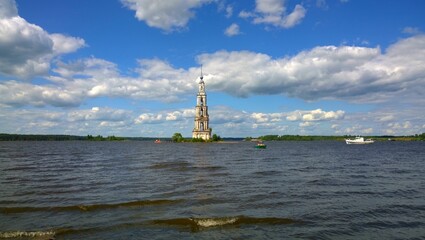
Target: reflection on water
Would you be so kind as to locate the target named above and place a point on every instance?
(129, 190)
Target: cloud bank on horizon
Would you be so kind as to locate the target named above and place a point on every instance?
(47, 87)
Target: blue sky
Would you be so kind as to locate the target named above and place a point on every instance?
(130, 67)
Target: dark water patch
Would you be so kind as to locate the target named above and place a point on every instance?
(359, 176)
(85, 208)
(186, 166)
(268, 173)
(365, 192)
(237, 160)
(210, 168)
(198, 224)
(336, 232)
(307, 169)
(326, 181)
(219, 174)
(302, 155)
(260, 197)
(406, 193)
(395, 210)
(401, 171)
(409, 207)
(359, 164)
(174, 165)
(59, 191)
(21, 168)
(272, 159)
(210, 200)
(47, 179)
(174, 193)
(382, 224)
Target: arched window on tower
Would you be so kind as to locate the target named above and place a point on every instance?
(201, 126)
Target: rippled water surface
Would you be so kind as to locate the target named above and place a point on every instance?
(136, 190)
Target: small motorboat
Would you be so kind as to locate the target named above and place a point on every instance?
(157, 141)
(359, 140)
(261, 145)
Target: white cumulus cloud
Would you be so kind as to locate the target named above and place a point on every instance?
(357, 74)
(232, 30)
(8, 9)
(149, 118)
(167, 15)
(14, 93)
(274, 12)
(99, 114)
(65, 44)
(26, 49)
(314, 115)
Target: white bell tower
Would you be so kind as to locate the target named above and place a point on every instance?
(202, 127)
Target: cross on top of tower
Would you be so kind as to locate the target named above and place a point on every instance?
(202, 76)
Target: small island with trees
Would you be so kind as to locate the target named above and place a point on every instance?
(177, 137)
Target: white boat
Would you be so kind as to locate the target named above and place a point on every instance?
(359, 140)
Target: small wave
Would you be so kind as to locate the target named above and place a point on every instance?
(25, 234)
(21, 168)
(177, 165)
(184, 166)
(86, 208)
(394, 224)
(197, 224)
(395, 210)
(210, 168)
(268, 173)
(325, 182)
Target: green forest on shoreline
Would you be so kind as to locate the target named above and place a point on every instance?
(417, 137)
(44, 137)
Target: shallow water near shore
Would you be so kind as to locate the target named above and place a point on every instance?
(136, 190)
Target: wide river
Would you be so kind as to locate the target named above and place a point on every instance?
(143, 190)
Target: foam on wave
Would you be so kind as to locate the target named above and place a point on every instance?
(196, 224)
(28, 234)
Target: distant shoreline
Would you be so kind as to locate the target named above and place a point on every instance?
(417, 137)
(63, 137)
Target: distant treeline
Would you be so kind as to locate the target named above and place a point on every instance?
(101, 138)
(417, 137)
(38, 137)
(43, 137)
(298, 138)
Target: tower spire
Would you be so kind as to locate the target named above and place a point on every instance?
(202, 76)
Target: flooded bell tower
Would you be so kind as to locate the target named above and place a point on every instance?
(202, 127)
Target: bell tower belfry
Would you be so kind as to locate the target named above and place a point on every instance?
(202, 123)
